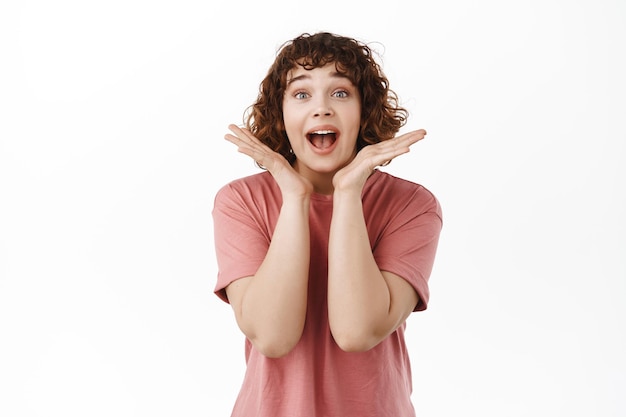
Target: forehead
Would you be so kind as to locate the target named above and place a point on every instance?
(300, 73)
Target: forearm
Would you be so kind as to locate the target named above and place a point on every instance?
(273, 307)
(359, 299)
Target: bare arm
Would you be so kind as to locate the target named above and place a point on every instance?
(365, 304)
(270, 307)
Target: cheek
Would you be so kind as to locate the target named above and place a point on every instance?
(290, 129)
(293, 126)
(289, 120)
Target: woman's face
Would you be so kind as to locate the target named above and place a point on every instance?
(322, 114)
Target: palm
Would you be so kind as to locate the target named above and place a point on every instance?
(354, 175)
(288, 180)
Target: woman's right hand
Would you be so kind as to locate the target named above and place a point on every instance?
(289, 181)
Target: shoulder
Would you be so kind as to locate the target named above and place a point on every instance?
(399, 193)
(247, 188)
(251, 181)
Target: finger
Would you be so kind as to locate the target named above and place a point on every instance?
(237, 135)
(401, 144)
(412, 137)
(384, 152)
(421, 132)
(243, 133)
(249, 145)
(233, 139)
(243, 137)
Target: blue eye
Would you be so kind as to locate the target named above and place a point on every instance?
(300, 95)
(341, 94)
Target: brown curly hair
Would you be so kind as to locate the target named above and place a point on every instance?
(381, 114)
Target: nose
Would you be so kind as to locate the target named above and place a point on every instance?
(323, 108)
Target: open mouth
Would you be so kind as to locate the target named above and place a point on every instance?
(322, 139)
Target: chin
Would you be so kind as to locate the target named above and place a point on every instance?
(320, 167)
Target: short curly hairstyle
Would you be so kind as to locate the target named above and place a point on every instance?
(381, 114)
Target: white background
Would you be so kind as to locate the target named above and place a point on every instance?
(112, 117)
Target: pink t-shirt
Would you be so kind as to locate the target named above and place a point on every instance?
(317, 378)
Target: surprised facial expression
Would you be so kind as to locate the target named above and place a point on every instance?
(322, 114)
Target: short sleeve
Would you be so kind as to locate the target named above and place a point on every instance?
(408, 244)
(241, 239)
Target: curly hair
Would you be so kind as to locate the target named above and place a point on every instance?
(381, 114)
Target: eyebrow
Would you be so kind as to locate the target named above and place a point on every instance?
(307, 76)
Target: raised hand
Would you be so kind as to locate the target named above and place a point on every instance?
(288, 180)
(353, 176)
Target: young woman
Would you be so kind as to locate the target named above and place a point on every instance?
(322, 256)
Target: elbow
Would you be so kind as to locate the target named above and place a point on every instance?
(276, 348)
(355, 342)
(274, 341)
(274, 352)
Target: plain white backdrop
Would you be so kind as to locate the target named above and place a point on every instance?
(112, 117)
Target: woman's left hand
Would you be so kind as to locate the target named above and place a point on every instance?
(354, 175)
